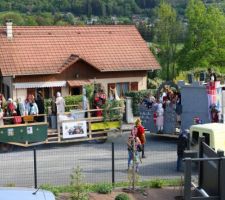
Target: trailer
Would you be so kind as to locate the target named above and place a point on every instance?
(197, 100)
(73, 126)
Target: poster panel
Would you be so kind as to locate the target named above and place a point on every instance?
(74, 129)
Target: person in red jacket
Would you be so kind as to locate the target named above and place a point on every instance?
(141, 135)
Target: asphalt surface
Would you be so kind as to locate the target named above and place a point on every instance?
(55, 163)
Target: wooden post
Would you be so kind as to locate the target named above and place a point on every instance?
(89, 122)
(58, 128)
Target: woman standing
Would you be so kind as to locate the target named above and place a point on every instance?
(141, 135)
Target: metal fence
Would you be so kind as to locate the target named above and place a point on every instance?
(211, 174)
(99, 163)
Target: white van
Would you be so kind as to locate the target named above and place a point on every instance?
(214, 134)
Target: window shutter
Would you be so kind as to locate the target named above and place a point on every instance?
(134, 86)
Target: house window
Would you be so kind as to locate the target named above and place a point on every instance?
(122, 88)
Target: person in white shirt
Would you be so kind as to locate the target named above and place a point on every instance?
(60, 103)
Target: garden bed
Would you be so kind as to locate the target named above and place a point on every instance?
(168, 193)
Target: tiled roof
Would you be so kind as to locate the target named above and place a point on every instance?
(48, 50)
(74, 83)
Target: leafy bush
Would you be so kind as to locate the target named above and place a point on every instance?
(47, 103)
(137, 98)
(89, 91)
(72, 100)
(154, 83)
(109, 112)
(78, 185)
(69, 100)
(122, 196)
(104, 188)
(157, 183)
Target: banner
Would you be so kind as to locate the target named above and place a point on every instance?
(74, 129)
(214, 92)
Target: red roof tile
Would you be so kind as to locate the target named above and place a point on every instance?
(47, 50)
(74, 83)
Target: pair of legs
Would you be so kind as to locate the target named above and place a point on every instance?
(136, 160)
(160, 129)
(179, 163)
(143, 151)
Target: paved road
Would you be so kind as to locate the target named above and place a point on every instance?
(56, 162)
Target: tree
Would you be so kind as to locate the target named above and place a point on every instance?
(205, 41)
(14, 16)
(167, 31)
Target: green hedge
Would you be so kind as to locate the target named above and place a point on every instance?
(69, 100)
(137, 98)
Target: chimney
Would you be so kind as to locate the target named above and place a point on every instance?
(9, 32)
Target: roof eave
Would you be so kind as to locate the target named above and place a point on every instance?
(33, 74)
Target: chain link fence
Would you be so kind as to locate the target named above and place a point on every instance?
(55, 163)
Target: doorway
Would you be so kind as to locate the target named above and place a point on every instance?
(76, 90)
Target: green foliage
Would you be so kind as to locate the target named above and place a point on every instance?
(122, 196)
(89, 91)
(79, 192)
(72, 100)
(16, 17)
(104, 188)
(109, 113)
(47, 104)
(167, 32)
(154, 83)
(94, 187)
(205, 42)
(10, 185)
(137, 98)
(157, 183)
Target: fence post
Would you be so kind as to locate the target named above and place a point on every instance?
(200, 168)
(113, 165)
(222, 178)
(187, 179)
(35, 168)
(221, 174)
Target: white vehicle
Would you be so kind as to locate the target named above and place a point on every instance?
(214, 134)
(13, 193)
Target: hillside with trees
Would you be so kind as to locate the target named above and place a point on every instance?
(183, 34)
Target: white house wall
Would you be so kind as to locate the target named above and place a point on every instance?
(19, 93)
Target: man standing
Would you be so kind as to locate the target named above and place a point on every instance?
(182, 145)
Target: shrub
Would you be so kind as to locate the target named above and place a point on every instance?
(72, 100)
(157, 183)
(104, 188)
(122, 196)
(78, 185)
(109, 112)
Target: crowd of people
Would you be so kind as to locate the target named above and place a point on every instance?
(168, 97)
(18, 108)
(15, 110)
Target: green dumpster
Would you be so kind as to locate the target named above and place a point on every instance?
(21, 133)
